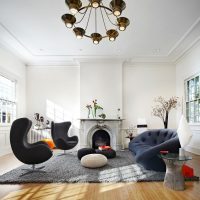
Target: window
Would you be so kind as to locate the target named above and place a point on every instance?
(193, 99)
(7, 100)
(57, 113)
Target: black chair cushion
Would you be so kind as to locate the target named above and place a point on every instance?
(85, 151)
(109, 153)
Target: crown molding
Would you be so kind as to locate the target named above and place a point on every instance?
(179, 50)
(186, 42)
(188, 51)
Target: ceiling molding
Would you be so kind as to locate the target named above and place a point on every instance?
(184, 45)
(188, 51)
(187, 41)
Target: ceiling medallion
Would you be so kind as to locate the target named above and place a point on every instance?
(97, 8)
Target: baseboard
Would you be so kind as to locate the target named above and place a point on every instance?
(193, 150)
(5, 150)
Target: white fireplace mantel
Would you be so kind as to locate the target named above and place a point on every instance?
(90, 126)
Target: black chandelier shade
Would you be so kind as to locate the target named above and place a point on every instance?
(105, 13)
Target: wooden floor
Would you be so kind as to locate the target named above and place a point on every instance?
(119, 191)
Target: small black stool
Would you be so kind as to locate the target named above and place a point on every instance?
(109, 153)
(85, 151)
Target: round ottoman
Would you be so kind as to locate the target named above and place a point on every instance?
(110, 153)
(84, 151)
(93, 160)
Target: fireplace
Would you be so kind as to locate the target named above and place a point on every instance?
(97, 132)
(100, 138)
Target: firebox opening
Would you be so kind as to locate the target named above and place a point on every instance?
(100, 138)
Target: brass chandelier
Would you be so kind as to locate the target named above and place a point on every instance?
(96, 6)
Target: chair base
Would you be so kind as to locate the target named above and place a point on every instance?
(33, 170)
(64, 153)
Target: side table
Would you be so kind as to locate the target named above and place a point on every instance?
(173, 176)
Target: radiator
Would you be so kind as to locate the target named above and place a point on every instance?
(37, 135)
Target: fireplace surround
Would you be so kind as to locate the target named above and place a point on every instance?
(105, 132)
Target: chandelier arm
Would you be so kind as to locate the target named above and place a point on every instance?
(106, 8)
(83, 15)
(103, 19)
(85, 7)
(102, 6)
(88, 19)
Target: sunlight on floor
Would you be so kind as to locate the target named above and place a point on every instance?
(112, 186)
(50, 191)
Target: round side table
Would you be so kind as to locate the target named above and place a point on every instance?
(173, 176)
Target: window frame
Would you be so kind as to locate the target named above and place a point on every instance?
(15, 100)
(188, 100)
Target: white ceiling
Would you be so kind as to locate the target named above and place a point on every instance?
(158, 29)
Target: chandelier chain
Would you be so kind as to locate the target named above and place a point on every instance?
(88, 19)
(95, 20)
(84, 13)
(103, 19)
(107, 15)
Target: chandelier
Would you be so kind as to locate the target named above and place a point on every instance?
(107, 14)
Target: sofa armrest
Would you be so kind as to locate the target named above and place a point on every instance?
(171, 145)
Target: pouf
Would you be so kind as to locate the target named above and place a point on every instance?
(109, 153)
(84, 151)
(93, 160)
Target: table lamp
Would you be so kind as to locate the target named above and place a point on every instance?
(184, 134)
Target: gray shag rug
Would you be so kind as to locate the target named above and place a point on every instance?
(67, 169)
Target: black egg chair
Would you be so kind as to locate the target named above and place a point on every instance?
(25, 152)
(59, 133)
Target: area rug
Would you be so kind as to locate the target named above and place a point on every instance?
(67, 169)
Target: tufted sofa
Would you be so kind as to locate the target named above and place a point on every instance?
(147, 146)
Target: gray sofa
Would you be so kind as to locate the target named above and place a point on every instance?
(147, 146)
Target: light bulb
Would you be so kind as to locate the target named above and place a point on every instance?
(73, 11)
(95, 4)
(112, 39)
(79, 37)
(96, 42)
(122, 28)
(117, 13)
(69, 25)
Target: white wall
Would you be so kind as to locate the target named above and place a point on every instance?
(101, 81)
(189, 65)
(12, 68)
(142, 83)
(57, 84)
